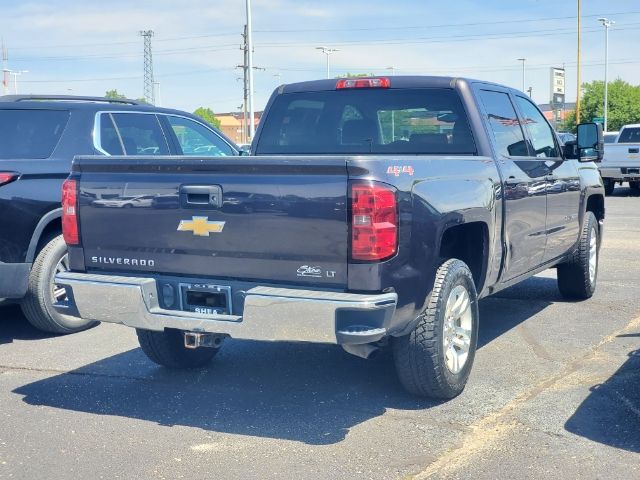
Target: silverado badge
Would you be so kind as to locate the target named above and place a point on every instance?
(200, 226)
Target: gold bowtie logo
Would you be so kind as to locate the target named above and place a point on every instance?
(200, 226)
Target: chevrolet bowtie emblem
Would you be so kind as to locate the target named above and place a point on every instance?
(200, 226)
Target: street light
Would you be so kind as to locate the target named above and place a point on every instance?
(606, 23)
(15, 74)
(327, 51)
(523, 60)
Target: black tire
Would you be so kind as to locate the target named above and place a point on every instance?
(609, 185)
(574, 279)
(37, 305)
(420, 356)
(167, 349)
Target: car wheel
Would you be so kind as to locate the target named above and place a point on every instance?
(609, 185)
(578, 276)
(167, 348)
(42, 293)
(435, 359)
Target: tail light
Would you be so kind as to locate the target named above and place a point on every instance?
(8, 177)
(374, 222)
(70, 230)
(345, 83)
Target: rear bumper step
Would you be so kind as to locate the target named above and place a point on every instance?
(268, 313)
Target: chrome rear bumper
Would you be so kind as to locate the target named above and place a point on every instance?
(275, 314)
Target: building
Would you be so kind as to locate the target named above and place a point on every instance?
(561, 114)
(231, 124)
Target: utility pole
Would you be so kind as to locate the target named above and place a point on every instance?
(148, 67)
(578, 94)
(523, 60)
(327, 51)
(245, 86)
(5, 69)
(156, 94)
(606, 23)
(393, 112)
(252, 125)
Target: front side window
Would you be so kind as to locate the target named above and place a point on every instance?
(30, 133)
(140, 134)
(504, 123)
(386, 121)
(197, 140)
(539, 130)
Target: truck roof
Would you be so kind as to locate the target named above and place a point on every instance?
(396, 81)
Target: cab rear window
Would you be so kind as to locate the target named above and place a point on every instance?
(385, 121)
(30, 133)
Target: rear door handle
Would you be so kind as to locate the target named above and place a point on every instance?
(199, 196)
(634, 150)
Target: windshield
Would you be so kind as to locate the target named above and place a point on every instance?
(426, 120)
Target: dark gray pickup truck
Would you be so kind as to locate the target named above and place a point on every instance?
(373, 211)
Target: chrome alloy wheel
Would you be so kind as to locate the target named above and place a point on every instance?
(593, 255)
(58, 292)
(458, 324)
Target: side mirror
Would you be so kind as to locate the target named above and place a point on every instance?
(590, 142)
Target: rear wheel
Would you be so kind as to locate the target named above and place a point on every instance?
(167, 348)
(609, 185)
(435, 359)
(577, 277)
(43, 292)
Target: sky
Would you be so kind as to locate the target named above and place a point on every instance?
(86, 47)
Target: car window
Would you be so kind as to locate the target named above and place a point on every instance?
(197, 140)
(30, 133)
(141, 134)
(610, 137)
(419, 121)
(109, 140)
(539, 130)
(630, 135)
(504, 123)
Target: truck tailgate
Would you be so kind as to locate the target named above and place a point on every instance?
(251, 218)
(621, 155)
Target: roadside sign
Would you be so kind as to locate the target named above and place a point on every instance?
(598, 119)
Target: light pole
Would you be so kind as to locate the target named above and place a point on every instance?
(327, 51)
(15, 74)
(606, 23)
(523, 60)
(252, 126)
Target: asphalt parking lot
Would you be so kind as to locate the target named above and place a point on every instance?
(555, 391)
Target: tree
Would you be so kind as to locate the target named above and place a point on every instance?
(208, 116)
(623, 108)
(113, 94)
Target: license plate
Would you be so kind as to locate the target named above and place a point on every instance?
(206, 299)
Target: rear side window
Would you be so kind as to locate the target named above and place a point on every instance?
(420, 121)
(630, 135)
(30, 133)
(504, 123)
(140, 134)
(109, 139)
(197, 140)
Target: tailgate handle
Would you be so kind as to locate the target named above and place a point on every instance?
(634, 150)
(201, 195)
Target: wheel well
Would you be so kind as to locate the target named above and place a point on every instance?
(470, 243)
(52, 229)
(595, 204)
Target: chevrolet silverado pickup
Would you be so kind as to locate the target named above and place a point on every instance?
(372, 212)
(621, 161)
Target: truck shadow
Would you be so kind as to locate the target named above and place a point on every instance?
(303, 392)
(13, 326)
(610, 415)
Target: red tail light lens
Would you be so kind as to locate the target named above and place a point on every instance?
(8, 177)
(70, 212)
(345, 83)
(374, 222)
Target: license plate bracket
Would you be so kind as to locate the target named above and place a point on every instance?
(206, 298)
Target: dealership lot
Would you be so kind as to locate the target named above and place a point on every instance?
(555, 389)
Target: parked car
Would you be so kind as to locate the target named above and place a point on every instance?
(610, 137)
(394, 239)
(39, 136)
(621, 162)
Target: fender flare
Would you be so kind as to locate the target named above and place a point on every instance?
(37, 233)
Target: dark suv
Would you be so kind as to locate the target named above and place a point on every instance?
(39, 136)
